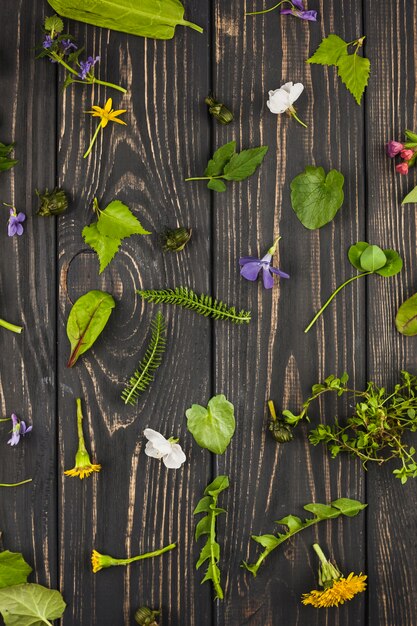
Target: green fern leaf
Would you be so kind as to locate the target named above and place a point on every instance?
(144, 375)
(203, 304)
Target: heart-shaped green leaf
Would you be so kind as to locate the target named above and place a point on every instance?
(317, 197)
(212, 427)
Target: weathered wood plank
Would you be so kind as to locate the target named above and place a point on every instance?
(273, 357)
(27, 374)
(135, 505)
(391, 108)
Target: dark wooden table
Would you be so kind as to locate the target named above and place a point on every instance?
(135, 504)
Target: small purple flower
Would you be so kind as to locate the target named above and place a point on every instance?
(15, 223)
(297, 9)
(85, 66)
(251, 266)
(393, 148)
(19, 430)
(47, 42)
(67, 45)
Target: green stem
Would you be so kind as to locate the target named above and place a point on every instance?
(193, 26)
(199, 178)
(320, 553)
(316, 317)
(105, 84)
(147, 555)
(81, 440)
(271, 9)
(12, 327)
(92, 141)
(5, 419)
(295, 116)
(23, 482)
(216, 581)
(60, 60)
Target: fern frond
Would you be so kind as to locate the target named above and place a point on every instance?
(204, 305)
(145, 372)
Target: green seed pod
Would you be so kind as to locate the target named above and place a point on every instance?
(146, 617)
(281, 432)
(52, 202)
(219, 111)
(176, 239)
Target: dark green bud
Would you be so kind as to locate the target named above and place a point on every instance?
(219, 111)
(281, 432)
(146, 617)
(176, 239)
(52, 202)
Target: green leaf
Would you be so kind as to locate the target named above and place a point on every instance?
(267, 541)
(355, 252)
(323, 511)
(147, 18)
(354, 71)
(410, 135)
(145, 372)
(203, 527)
(215, 184)
(13, 569)
(220, 483)
(212, 428)
(117, 221)
(244, 164)
(406, 318)
(372, 259)
(292, 521)
(30, 605)
(87, 319)
(220, 159)
(106, 247)
(393, 265)
(329, 51)
(54, 23)
(410, 197)
(317, 197)
(348, 507)
(5, 162)
(203, 505)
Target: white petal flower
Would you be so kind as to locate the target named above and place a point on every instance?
(160, 448)
(282, 99)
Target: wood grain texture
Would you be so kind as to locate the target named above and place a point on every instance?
(390, 109)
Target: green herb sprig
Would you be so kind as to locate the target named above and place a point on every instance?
(207, 526)
(203, 305)
(144, 374)
(5, 161)
(321, 512)
(227, 164)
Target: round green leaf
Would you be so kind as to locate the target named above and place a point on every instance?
(355, 253)
(317, 197)
(393, 265)
(406, 318)
(212, 428)
(372, 259)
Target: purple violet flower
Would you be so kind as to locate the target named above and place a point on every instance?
(85, 66)
(251, 266)
(47, 42)
(297, 9)
(67, 45)
(19, 430)
(393, 148)
(15, 223)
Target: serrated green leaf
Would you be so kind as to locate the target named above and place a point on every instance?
(13, 569)
(317, 197)
(212, 428)
(323, 511)
(410, 197)
(406, 318)
(292, 521)
(30, 605)
(244, 164)
(54, 23)
(209, 550)
(118, 221)
(267, 541)
(215, 184)
(213, 574)
(219, 484)
(393, 265)
(329, 51)
(372, 259)
(203, 527)
(203, 505)
(106, 247)
(354, 71)
(355, 253)
(348, 507)
(220, 159)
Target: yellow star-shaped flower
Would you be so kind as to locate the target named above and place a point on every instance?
(107, 114)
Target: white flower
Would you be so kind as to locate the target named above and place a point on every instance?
(166, 449)
(282, 99)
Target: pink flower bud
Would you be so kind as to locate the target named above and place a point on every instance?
(407, 154)
(402, 168)
(393, 148)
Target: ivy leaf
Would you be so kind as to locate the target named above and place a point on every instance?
(244, 164)
(355, 252)
(372, 259)
(329, 51)
(406, 318)
(220, 159)
(106, 247)
(317, 197)
(214, 426)
(410, 197)
(87, 319)
(13, 569)
(118, 221)
(354, 71)
(30, 605)
(393, 265)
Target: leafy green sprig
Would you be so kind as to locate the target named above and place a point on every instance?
(368, 259)
(227, 164)
(377, 429)
(207, 526)
(5, 161)
(321, 512)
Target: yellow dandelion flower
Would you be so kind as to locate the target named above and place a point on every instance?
(337, 589)
(101, 561)
(106, 115)
(83, 466)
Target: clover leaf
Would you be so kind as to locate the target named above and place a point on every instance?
(316, 196)
(214, 426)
